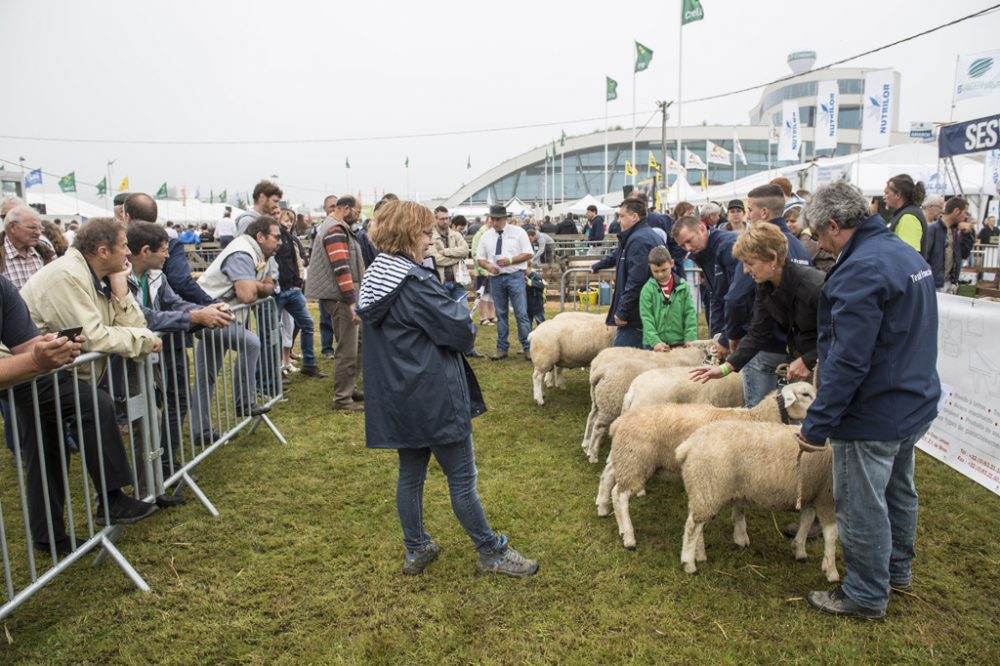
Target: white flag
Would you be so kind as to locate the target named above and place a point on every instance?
(878, 102)
(991, 173)
(827, 108)
(791, 136)
(670, 165)
(738, 149)
(692, 161)
(977, 75)
(716, 154)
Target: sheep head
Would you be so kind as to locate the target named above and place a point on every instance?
(798, 397)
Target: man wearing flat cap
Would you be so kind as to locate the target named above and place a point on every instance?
(504, 251)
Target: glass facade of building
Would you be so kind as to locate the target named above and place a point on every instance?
(584, 172)
(804, 89)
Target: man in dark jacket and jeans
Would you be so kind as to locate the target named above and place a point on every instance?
(879, 389)
(944, 253)
(631, 262)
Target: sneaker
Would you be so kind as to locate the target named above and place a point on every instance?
(473, 354)
(506, 561)
(62, 548)
(294, 356)
(791, 530)
(126, 510)
(527, 355)
(416, 561)
(835, 602)
(906, 587)
(329, 353)
(312, 371)
(255, 410)
(499, 356)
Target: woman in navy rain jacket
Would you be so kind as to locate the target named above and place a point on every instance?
(415, 334)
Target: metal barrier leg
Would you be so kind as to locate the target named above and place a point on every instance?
(123, 564)
(270, 426)
(189, 482)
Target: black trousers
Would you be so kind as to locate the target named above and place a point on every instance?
(117, 471)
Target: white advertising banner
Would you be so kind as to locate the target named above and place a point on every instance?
(879, 98)
(977, 74)
(791, 135)
(827, 108)
(991, 172)
(966, 433)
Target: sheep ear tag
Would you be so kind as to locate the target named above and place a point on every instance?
(788, 395)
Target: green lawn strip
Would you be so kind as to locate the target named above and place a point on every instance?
(303, 564)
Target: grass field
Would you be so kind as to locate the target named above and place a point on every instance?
(303, 564)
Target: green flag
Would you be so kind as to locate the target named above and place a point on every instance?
(68, 182)
(102, 187)
(222, 196)
(347, 162)
(643, 55)
(553, 148)
(691, 11)
(162, 192)
(562, 138)
(612, 88)
(407, 162)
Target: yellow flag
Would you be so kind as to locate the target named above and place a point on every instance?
(124, 186)
(629, 171)
(704, 181)
(652, 161)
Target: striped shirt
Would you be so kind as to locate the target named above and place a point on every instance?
(382, 277)
(338, 251)
(18, 268)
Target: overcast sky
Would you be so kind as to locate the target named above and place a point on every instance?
(300, 70)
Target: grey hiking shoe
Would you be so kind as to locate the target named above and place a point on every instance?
(506, 561)
(416, 561)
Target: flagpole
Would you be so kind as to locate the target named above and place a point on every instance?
(562, 175)
(680, 69)
(107, 190)
(605, 140)
(633, 125)
(954, 84)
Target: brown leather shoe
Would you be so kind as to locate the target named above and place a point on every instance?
(312, 371)
(499, 356)
(349, 407)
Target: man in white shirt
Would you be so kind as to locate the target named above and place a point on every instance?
(225, 230)
(504, 251)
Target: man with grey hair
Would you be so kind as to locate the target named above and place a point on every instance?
(933, 206)
(9, 204)
(710, 214)
(878, 394)
(21, 258)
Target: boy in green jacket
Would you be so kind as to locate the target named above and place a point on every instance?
(665, 306)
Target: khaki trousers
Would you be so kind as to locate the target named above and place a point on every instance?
(345, 370)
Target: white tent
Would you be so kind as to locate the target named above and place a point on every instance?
(471, 211)
(193, 211)
(66, 205)
(580, 207)
(516, 207)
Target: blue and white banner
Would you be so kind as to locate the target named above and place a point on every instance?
(827, 108)
(977, 75)
(34, 177)
(791, 133)
(991, 173)
(972, 136)
(879, 102)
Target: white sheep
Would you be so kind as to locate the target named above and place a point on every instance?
(644, 441)
(755, 465)
(611, 373)
(663, 386)
(570, 340)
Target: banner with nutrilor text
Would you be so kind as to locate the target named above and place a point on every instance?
(966, 433)
(791, 133)
(878, 103)
(827, 108)
(977, 75)
(971, 136)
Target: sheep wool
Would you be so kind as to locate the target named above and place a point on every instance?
(570, 340)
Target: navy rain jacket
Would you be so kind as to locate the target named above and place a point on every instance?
(631, 262)
(178, 272)
(414, 333)
(741, 294)
(877, 342)
(718, 267)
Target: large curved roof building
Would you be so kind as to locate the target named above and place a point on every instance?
(526, 177)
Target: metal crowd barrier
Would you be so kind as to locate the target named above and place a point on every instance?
(73, 442)
(692, 275)
(198, 258)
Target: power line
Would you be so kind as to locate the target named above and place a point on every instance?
(490, 130)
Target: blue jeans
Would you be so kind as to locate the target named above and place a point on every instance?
(628, 337)
(510, 287)
(458, 462)
(459, 293)
(876, 514)
(294, 302)
(325, 332)
(759, 378)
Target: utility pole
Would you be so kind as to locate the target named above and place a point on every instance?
(663, 106)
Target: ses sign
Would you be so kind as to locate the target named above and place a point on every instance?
(973, 136)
